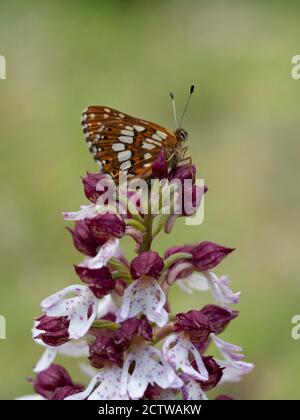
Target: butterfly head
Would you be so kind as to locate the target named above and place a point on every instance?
(181, 134)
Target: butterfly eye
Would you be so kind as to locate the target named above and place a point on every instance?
(181, 134)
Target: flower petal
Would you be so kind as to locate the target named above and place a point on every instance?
(74, 349)
(144, 297)
(235, 368)
(106, 306)
(31, 397)
(85, 212)
(108, 388)
(106, 252)
(221, 290)
(234, 371)
(194, 281)
(178, 356)
(228, 350)
(46, 360)
(192, 391)
(81, 310)
(148, 264)
(147, 370)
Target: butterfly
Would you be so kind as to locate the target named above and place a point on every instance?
(120, 142)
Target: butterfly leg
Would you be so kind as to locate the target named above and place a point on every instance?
(184, 151)
(171, 157)
(187, 159)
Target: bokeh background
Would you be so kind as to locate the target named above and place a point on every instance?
(244, 139)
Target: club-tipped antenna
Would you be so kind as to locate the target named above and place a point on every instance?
(174, 108)
(186, 105)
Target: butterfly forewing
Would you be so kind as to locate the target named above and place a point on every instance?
(120, 142)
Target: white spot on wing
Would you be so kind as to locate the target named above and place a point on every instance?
(122, 156)
(121, 115)
(127, 132)
(107, 110)
(148, 146)
(118, 147)
(147, 156)
(125, 165)
(139, 128)
(105, 116)
(161, 134)
(156, 137)
(155, 142)
(126, 139)
(93, 116)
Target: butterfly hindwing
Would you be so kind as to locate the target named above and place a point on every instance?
(120, 142)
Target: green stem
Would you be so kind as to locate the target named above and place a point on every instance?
(118, 265)
(131, 208)
(173, 258)
(105, 324)
(161, 221)
(136, 224)
(147, 241)
(122, 275)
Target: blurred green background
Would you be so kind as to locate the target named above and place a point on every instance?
(244, 138)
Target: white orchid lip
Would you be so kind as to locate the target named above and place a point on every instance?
(81, 309)
(206, 281)
(192, 391)
(150, 367)
(85, 212)
(105, 253)
(73, 348)
(105, 385)
(144, 297)
(177, 349)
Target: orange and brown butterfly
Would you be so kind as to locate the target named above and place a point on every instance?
(120, 142)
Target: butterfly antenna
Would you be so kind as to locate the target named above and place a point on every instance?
(187, 104)
(174, 109)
